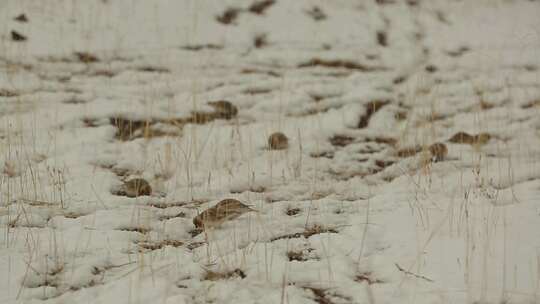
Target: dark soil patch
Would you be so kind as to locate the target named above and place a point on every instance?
(229, 16)
(255, 71)
(104, 73)
(316, 229)
(159, 245)
(408, 151)
(324, 154)
(459, 52)
(382, 140)
(21, 18)
(86, 57)
(371, 108)
(153, 69)
(8, 93)
(176, 204)
(135, 229)
(260, 7)
(316, 13)
(367, 277)
(383, 163)
(300, 256)
(90, 122)
(74, 215)
(324, 296)
(341, 140)
(18, 37)
(399, 79)
(75, 100)
(430, 68)
(198, 47)
(343, 64)
(168, 217)
(216, 276)
(531, 104)
(127, 127)
(259, 41)
(293, 211)
(382, 38)
(256, 91)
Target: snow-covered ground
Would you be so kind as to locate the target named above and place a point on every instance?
(356, 210)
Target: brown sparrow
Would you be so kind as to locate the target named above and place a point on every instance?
(136, 187)
(438, 151)
(278, 141)
(224, 109)
(226, 210)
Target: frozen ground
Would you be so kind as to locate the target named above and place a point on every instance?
(353, 211)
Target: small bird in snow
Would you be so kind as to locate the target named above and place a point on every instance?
(438, 151)
(226, 210)
(278, 141)
(136, 187)
(224, 109)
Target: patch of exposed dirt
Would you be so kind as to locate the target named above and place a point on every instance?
(323, 154)
(383, 163)
(153, 69)
(216, 276)
(293, 211)
(382, 38)
(75, 100)
(103, 73)
(368, 278)
(168, 217)
(260, 41)
(199, 47)
(371, 108)
(531, 104)
(18, 37)
(458, 52)
(129, 129)
(341, 140)
(316, 13)
(313, 230)
(382, 140)
(337, 63)
(257, 71)
(324, 296)
(260, 7)
(8, 93)
(256, 91)
(430, 68)
(126, 128)
(160, 205)
(229, 16)
(86, 57)
(408, 151)
(158, 245)
(21, 18)
(301, 255)
(141, 230)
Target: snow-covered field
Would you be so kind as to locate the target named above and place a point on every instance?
(357, 208)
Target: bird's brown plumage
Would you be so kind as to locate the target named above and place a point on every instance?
(225, 210)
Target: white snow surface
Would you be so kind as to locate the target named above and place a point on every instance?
(340, 217)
